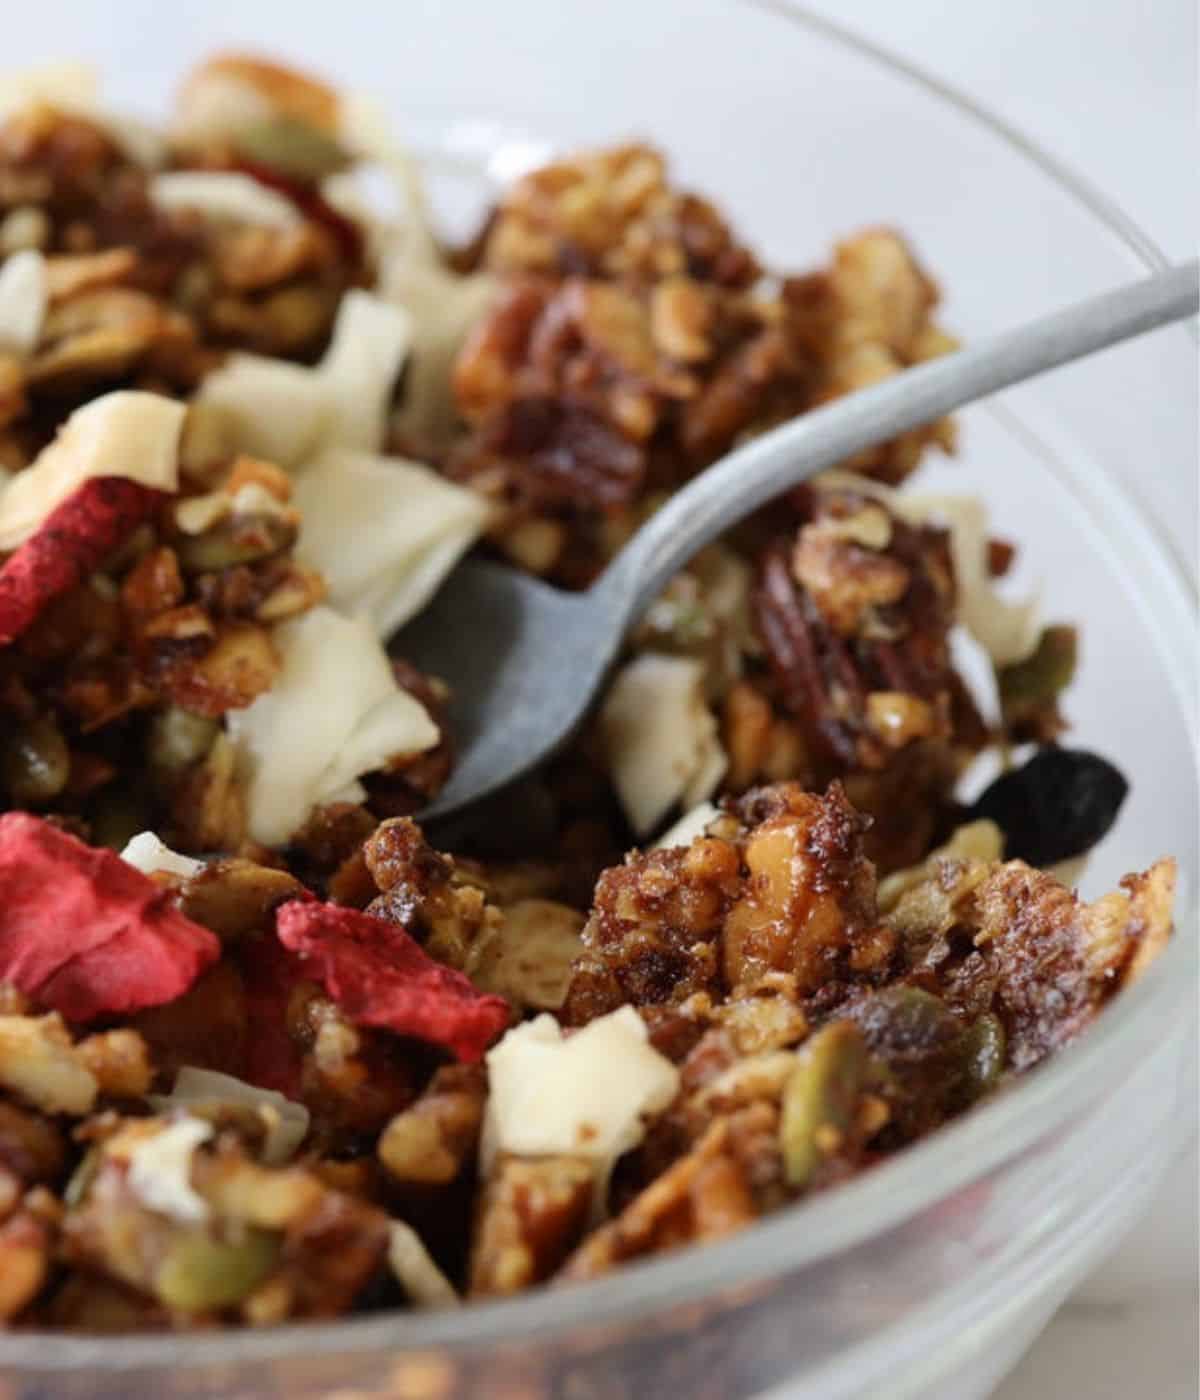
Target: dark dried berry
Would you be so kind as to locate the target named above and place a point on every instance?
(1056, 806)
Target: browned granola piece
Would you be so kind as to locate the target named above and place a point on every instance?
(654, 934)
(792, 894)
(327, 852)
(808, 901)
(127, 676)
(208, 1026)
(432, 1141)
(33, 1150)
(26, 1256)
(424, 891)
(704, 1196)
(332, 834)
(119, 1061)
(760, 378)
(612, 213)
(353, 1080)
(54, 160)
(635, 342)
(1045, 962)
(272, 1243)
(206, 806)
(868, 316)
(101, 335)
(531, 1213)
(855, 617)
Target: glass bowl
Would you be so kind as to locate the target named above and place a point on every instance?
(928, 1276)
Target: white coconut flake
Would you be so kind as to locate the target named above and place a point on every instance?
(286, 413)
(22, 301)
(415, 1270)
(127, 433)
(692, 824)
(660, 738)
(145, 852)
(1008, 632)
(334, 713)
(286, 1121)
(269, 408)
(224, 196)
(359, 370)
(160, 1170)
(409, 528)
(587, 1094)
(442, 307)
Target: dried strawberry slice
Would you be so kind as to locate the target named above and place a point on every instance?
(380, 976)
(73, 542)
(85, 934)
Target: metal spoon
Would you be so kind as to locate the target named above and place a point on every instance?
(524, 660)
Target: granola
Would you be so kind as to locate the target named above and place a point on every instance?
(269, 1053)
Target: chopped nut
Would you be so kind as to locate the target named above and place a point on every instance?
(39, 1063)
(530, 1216)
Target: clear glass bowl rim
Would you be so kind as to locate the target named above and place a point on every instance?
(888, 1195)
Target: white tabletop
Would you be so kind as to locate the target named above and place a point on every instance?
(1108, 87)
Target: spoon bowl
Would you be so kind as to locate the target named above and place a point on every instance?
(522, 660)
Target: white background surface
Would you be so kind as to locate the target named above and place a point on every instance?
(1108, 87)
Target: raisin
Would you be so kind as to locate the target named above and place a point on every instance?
(1056, 806)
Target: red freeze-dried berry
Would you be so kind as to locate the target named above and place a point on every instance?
(73, 542)
(85, 934)
(380, 976)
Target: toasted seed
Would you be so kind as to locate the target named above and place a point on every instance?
(235, 896)
(819, 1098)
(1042, 676)
(983, 1046)
(34, 761)
(235, 540)
(200, 1272)
(179, 738)
(291, 146)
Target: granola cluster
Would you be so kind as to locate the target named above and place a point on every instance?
(144, 290)
(777, 1021)
(637, 340)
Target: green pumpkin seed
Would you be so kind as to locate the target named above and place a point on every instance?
(983, 1046)
(200, 1272)
(235, 540)
(34, 761)
(820, 1097)
(1041, 677)
(293, 147)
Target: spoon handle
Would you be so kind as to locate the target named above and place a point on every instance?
(768, 465)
